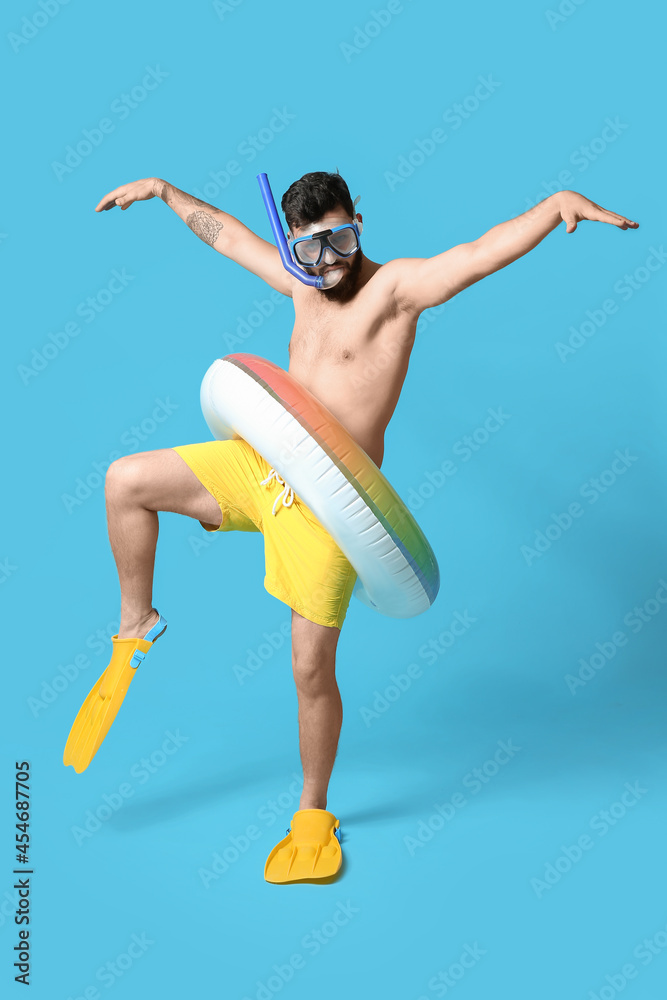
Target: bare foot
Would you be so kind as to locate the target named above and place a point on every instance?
(136, 628)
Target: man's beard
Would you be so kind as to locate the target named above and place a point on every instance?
(347, 286)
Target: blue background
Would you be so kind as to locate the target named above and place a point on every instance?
(360, 100)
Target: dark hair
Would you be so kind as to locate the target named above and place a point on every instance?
(315, 194)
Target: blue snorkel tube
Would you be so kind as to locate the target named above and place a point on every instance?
(316, 280)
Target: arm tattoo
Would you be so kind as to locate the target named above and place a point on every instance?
(205, 227)
(187, 198)
(196, 201)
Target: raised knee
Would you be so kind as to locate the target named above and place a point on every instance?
(124, 476)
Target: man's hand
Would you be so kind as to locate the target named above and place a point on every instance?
(127, 194)
(575, 208)
(214, 227)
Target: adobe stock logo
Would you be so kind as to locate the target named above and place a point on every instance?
(31, 26)
(445, 979)
(122, 107)
(454, 116)
(364, 34)
(464, 449)
(565, 10)
(131, 438)
(474, 781)
(88, 310)
(223, 8)
(591, 490)
(248, 150)
(601, 823)
(605, 651)
(625, 287)
(7, 569)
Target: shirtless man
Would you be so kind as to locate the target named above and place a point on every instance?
(339, 333)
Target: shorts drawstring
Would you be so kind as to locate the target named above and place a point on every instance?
(287, 494)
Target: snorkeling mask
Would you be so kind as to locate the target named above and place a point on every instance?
(343, 241)
(337, 242)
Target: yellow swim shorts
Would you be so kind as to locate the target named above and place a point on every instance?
(304, 567)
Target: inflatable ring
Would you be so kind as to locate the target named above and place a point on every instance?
(246, 396)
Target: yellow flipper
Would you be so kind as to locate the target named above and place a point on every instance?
(101, 706)
(311, 849)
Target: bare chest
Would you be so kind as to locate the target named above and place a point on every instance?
(343, 336)
(354, 360)
(316, 341)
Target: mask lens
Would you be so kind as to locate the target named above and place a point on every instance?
(308, 251)
(344, 241)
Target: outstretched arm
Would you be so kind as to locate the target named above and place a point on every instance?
(421, 283)
(214, 227)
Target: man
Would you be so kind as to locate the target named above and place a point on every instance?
(364, 323)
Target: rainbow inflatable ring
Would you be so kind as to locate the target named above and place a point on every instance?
(245, 396)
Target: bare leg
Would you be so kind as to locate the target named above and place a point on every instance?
(137, 487)
(320, 706)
